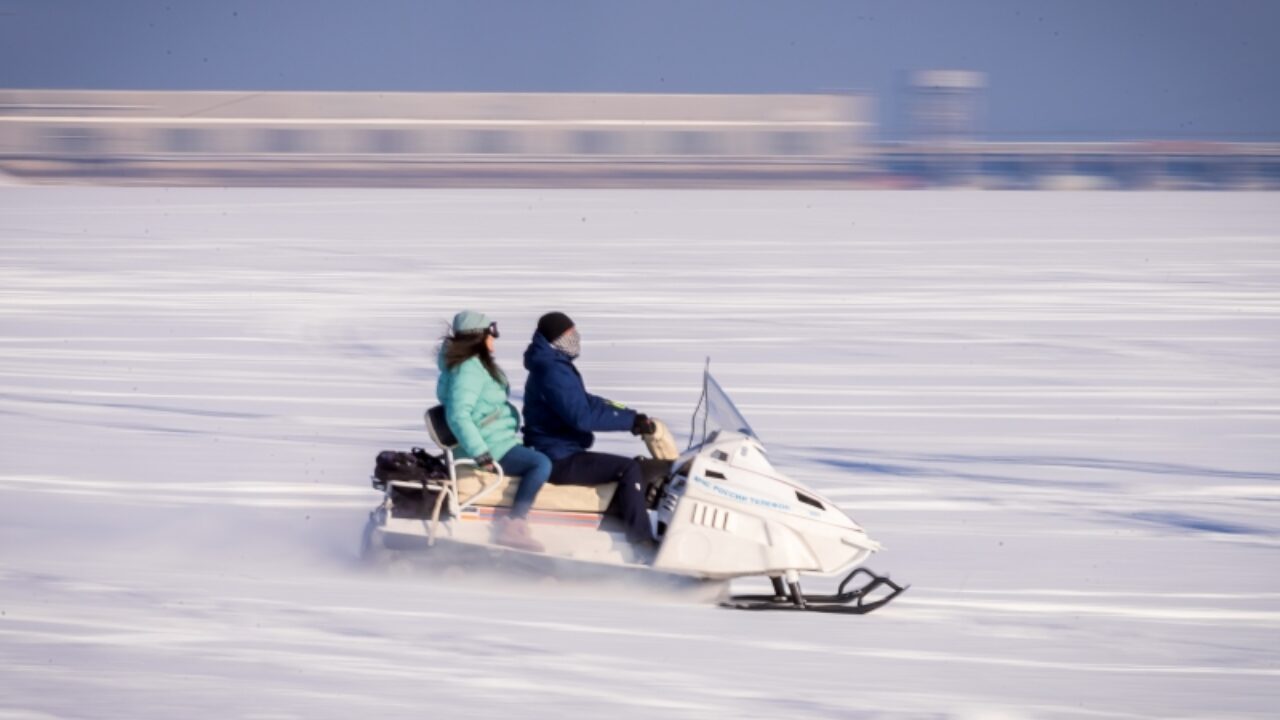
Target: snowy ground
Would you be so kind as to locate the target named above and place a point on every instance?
(1060, 412)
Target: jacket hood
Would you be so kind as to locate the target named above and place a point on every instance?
(541, 353)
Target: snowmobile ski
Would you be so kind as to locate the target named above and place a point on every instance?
(848, 602)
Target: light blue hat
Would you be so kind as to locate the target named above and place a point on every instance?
(469, 321)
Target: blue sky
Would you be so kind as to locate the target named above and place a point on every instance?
(1084, 70)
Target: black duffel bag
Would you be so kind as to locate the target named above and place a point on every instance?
(416, 466)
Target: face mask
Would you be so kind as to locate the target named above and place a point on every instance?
(570, 343)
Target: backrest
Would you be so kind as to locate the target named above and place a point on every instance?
(438, 428)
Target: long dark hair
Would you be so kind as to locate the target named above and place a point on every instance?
(461, 347)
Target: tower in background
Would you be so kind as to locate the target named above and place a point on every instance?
(946, 105)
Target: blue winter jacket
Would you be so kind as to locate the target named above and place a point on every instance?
(559, 414)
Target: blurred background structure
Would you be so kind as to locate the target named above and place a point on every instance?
(433, 138)
(836, 93)
(946, 105)
(579, 139)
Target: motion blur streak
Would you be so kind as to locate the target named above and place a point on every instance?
(1059, 412)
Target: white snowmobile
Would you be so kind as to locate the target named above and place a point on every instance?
(719, 510)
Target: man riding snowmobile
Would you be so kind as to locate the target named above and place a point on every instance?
(561, 417)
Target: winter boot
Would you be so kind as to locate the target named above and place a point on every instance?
(514, 533)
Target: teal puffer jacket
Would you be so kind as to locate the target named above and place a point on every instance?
(477, 409)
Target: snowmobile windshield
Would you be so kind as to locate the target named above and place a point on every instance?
(716, 412)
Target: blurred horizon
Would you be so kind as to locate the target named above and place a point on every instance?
(1085, 71)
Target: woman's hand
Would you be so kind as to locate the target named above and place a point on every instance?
(485, 463)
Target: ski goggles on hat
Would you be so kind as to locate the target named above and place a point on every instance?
(492, 330)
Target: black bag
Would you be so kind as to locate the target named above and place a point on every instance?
(416, 466)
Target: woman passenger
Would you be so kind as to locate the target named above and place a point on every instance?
(474, 392)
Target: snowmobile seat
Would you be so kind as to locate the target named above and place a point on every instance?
(555, 498)
(472, 486)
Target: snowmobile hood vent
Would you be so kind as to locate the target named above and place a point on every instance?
(810, 500)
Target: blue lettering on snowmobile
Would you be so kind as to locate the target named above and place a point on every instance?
(739, 497)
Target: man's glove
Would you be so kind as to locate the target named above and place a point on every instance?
(485, 463)
(643, 425)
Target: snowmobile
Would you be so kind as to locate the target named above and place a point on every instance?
(719, 510)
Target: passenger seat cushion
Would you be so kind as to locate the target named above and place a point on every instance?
(559, 498)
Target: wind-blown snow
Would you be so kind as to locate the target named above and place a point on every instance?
(1059, 412)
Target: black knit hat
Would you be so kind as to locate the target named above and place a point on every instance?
(553, 325)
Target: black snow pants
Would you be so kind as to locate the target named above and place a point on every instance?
(593, 468)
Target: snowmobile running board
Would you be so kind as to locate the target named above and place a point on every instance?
(847, 602)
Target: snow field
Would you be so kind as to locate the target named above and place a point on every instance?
(1060, 413)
